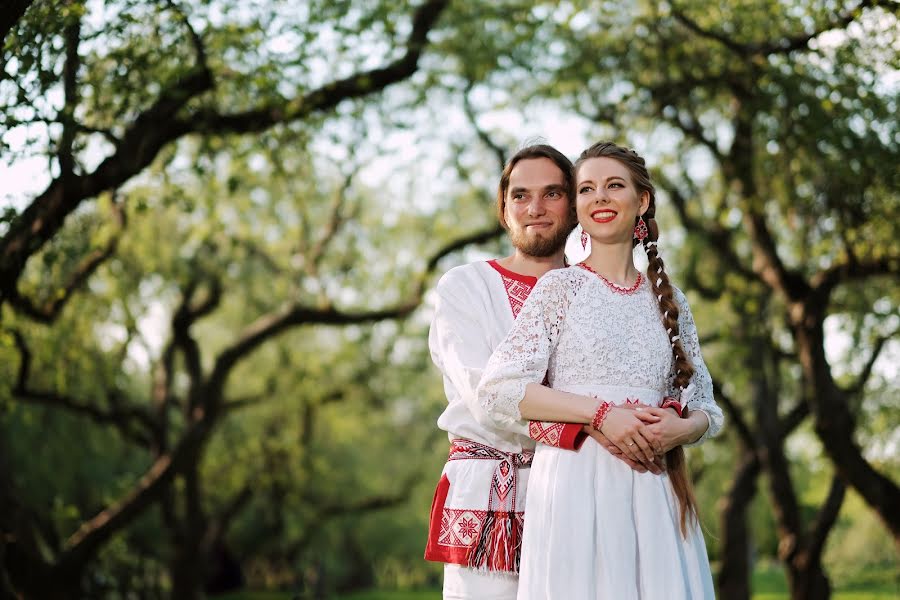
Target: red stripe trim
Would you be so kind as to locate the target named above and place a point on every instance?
(512, 274)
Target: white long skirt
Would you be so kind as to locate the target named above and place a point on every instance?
(597, 529)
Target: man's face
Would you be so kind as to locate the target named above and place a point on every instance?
(537, 209)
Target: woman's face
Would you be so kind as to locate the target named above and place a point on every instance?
(608, 203)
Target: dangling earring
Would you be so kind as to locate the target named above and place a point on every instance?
(640, 230)
(584, 239)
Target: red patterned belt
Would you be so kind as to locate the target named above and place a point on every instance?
(500, 539)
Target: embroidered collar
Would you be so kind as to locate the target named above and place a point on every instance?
(614, 287)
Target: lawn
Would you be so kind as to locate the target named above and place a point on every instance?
(768, 584)
(881, 594)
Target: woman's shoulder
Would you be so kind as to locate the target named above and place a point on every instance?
(569, 277)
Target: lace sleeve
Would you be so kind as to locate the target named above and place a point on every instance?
(699, 393)
(522, 357)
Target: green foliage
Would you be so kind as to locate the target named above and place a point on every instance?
(330, 429)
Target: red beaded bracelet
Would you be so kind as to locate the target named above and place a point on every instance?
(669, 402)
(602, 410)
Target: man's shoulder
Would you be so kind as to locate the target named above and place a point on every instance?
(466, 275)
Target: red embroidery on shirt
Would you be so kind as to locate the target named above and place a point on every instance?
(546, 433)
(517, 292)
(517, 286)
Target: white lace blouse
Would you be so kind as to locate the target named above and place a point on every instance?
(579, 331)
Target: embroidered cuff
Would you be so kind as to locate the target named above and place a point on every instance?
(573, 436)
(546, 432)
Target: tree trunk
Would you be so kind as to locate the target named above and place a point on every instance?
(734, 575)
(189, 567)
(834, 424)
(807, 579)
(187, 572)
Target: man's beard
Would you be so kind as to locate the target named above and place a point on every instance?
(537, 245)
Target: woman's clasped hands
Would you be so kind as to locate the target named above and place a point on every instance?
(640, 435)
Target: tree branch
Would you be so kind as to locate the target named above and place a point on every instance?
(40, 221)
(866, 373)
(825, 281)
(372, 503)
(106, 133)
(717, 236)
(693, 26)
(72, 37)
(218, 524)
(826, 518)
(486, 139)
(768, 264)
(122, 417)
(48, 312)
(159, 126)
(329, 95)
(335, 221)
(185, 316)
(793, 419)
(783, 45)
(736, 416)
(274, 323)
(92, 534)
(196, 41)
(478, 237)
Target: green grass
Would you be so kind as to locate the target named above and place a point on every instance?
(434, 595)
(769, 583)
(420, 595)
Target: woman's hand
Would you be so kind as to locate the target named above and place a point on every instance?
(604, 441)
(666, 430)
(624, 428)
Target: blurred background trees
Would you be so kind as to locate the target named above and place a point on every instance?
(221, 220)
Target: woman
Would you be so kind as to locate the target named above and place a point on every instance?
(605, 336)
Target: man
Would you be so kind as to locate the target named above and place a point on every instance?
(478, 509)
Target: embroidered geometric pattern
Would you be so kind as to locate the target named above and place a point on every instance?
(517, 292)
(504, 483)
(460, 528)
(546, 433)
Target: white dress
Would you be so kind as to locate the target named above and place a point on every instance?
(596, 529)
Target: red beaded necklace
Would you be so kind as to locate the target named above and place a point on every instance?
(614, 287)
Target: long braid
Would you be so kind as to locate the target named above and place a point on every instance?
(665, 296)
(684, 370)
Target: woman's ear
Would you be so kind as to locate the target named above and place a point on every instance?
(645, 202)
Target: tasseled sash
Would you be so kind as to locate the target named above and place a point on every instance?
(500, 541)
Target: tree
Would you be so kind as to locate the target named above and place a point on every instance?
(204, 96)
(245, 179)
(774, 145)
(137, 129)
